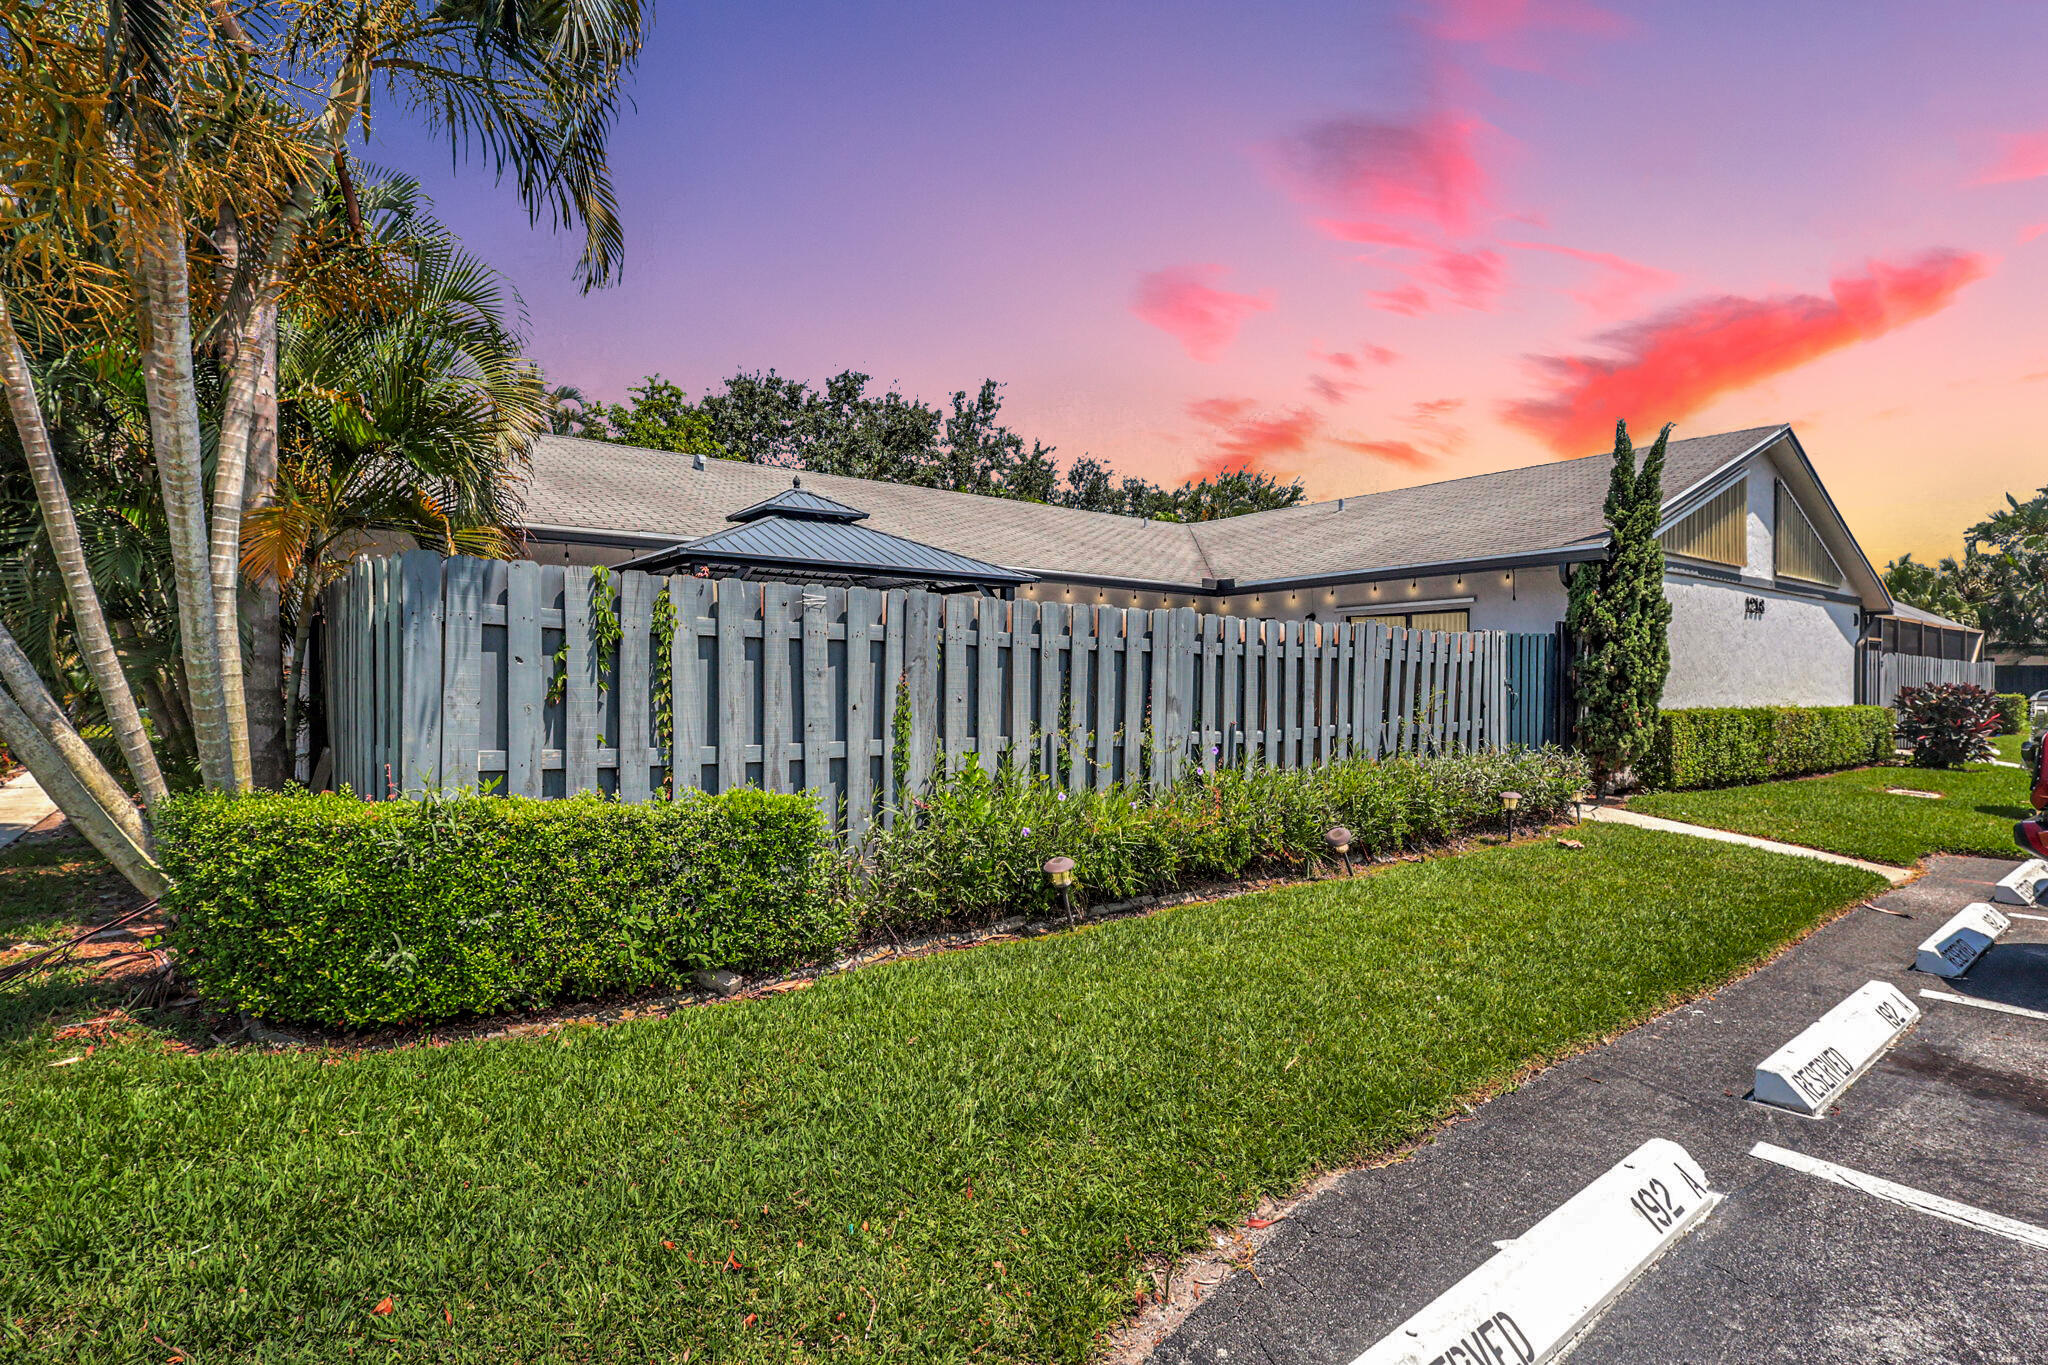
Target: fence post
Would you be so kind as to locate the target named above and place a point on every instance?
(419, 672)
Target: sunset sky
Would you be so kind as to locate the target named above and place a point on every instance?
(1369, 245)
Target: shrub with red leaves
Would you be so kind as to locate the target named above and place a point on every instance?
(1948, 724)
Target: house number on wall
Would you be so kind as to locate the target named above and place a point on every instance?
(1752, 607)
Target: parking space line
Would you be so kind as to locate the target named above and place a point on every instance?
(1905, 1196)
(2002, 1008)
(2014, 914)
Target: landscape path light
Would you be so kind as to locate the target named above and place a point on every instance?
(1339, 840)
(1508, 802)
(1061, 871)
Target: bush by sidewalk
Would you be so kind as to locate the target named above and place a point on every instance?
(973, 846)
(1722, 746)
(2013, 714)
(333, 910)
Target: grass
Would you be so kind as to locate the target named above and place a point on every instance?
(964, 1157)
(1852, 812)
(49, 886)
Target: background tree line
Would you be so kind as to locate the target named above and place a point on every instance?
(765, 418)
(2000, 582)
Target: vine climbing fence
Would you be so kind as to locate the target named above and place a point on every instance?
(538, 680)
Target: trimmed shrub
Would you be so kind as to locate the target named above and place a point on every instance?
(1948, 724)
(2013, 713)
(973, 845)
(1721, 746)
(335, 910)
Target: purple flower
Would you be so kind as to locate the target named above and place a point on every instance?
(1027, 829)
(1061, 797)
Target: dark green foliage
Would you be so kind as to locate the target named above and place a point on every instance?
(1855, 813)
(973, 845)
(1620, 618)
(769, 419)
(1947, 724)
(968, 1157)
(341, 911)
(2013, 713)
(1721, 746)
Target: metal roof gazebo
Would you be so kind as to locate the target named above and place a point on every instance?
(802, 536)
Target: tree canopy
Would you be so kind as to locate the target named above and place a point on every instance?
(767, 418)
(1999, 584)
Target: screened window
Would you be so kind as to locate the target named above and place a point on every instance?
(1717, 530)
(1460, 619)
(1797, 550)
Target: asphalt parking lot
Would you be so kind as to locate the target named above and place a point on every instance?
(1789, 1266)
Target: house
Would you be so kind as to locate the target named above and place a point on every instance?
(1773, 602)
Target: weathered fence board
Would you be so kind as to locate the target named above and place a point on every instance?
(544, 681)
(1895, 671)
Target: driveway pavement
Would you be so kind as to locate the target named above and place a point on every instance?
(1789, 1267)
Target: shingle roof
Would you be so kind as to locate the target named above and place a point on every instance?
(834, 546)
(1484, 516)
(598, 487)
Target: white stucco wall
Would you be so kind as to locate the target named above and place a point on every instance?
(1800, 652)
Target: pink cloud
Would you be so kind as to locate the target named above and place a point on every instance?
(1245, 441)
(1621, 282)
(1181, 302)
(1218, 411)
(1407, 300)
(2033, 230)
(1332, 390)
(1394, 452)
(1365, 354)
(1676, 362)
(2022, 156)
(1491, 21)
(1473, 278)
(1377, 234)
(1418, 169)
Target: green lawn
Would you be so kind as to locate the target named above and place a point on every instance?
(959, 1158)
(1853, 813)
(48, 886)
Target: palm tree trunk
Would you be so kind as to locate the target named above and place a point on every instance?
(61, 785)
(32, 698)
(273, 745)
(60, 524)
(248, 421)
(173, 396)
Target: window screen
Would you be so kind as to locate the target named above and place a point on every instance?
(1797, 550)
(1718, 530)
(1419, 620)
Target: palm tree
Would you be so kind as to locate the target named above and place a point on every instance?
(566, 407)
(406, 419)
(228, 128)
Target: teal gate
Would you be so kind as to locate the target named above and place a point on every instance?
(1533, 690)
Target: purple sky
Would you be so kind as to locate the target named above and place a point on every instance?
(1369, 245)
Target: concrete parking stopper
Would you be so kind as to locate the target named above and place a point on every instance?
(2024, 885)
(1816, 1068)
(1951, 949)
(1530, 1300)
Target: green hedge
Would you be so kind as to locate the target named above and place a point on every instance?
(335, 910)
(2012, 714)
(1721, 746)
(977, 843)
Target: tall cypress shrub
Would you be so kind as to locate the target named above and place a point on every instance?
(1621, 620)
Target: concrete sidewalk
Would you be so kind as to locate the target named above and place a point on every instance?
(1788, 1268)
(22, 807)
(1616, 815)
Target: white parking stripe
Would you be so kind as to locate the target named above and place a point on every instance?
(1984, 1004)
(2014, 914)
(1905, 1196)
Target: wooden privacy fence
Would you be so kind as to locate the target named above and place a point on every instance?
(1894, 671)
(544, 680)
